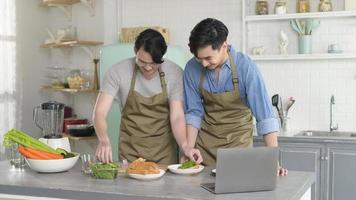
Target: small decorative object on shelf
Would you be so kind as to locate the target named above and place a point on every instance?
(258, 50)
(303, 6)
(325, 6)
(334, 48)
(262, 7)
(280, 7)
(304, 28)
(283, 43)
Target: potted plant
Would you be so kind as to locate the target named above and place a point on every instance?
(304, 28)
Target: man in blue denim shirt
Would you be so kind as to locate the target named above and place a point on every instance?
(223, 90)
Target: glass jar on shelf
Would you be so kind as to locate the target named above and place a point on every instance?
(325, 6)
(262, 7)
(88, 78)
(303, 6)
(280, 7)
(56, 77)
(75, 79)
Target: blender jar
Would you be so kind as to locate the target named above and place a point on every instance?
(49, 119)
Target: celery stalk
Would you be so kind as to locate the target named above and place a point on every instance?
(24, 139)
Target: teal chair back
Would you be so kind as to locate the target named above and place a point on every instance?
(111, 54)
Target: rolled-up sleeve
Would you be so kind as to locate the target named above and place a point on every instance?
(267, 126)
(192, 99)
(258, 99)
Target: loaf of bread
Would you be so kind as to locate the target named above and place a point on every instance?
(140, 166)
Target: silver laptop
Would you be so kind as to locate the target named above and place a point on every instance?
(245, 170)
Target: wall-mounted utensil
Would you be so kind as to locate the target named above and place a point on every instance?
(281, 108)
(275, 101)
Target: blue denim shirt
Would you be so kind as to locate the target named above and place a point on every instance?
(251, 87)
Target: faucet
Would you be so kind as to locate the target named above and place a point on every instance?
(333, 126)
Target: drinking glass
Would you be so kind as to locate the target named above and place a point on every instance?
(14, 156)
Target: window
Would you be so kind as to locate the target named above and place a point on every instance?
(8, 67)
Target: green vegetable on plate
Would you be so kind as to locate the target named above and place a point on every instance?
(187, 164)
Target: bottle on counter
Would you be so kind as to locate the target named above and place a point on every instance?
(262, 7)
(303, 6)
(325, 6)
(280, 7)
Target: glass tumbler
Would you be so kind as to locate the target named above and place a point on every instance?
(16, 159)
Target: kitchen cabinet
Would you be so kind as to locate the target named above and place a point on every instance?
(341, 172)
(302, 157)
(332, 160)
(281, 20)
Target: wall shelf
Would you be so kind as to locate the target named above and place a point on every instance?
(68, 90)
(84, 45)
(248, 18)
(73, 43)
(65, 4)
(79, 138)
(58, 2)
(324, 56)
(333, 14)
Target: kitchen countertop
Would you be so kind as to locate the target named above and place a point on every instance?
(74, 185)
(312, 139)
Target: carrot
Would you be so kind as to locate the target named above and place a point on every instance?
(43, 154)
(27, 154)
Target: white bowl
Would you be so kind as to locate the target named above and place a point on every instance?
(50, 166)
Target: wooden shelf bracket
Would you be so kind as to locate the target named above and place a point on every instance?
(90, 4)
(67, 10)
(92, 53)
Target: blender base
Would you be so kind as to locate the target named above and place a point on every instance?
(55, 143)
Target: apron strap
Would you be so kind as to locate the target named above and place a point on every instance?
(133, 79)
(161, 77)
(202, 77)
(163, 81)
(235, 79)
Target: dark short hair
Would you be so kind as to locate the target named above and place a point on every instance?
(153, 43)
(207, 32)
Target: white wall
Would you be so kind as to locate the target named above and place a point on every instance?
(310, 82)
(31, 21)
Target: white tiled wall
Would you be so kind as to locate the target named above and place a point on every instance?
(310, 82)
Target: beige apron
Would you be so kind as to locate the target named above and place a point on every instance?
(227, 121)
(145, 126)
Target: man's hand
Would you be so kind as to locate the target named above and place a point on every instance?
(103, 152)
(192, 154)
(282, 171)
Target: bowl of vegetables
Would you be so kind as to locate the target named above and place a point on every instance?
(52, 165)
(39, 156)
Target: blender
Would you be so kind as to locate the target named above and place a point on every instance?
(49, 118)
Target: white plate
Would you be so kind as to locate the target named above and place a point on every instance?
(148, 176)
(174, 169)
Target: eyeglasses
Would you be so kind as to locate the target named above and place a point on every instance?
(142, 63)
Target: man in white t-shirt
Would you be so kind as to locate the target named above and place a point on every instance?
(149, 90)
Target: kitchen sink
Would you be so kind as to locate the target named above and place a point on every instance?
(326, 134)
